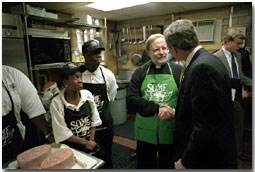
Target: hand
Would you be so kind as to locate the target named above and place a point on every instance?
(172, 110)
(166, 113)
(90, 145)
(178, 165)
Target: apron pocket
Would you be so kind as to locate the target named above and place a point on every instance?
(149, 136)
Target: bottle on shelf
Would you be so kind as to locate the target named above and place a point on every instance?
(77, 57)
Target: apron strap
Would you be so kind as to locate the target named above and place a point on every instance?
(170, 70)
(104, 81)
(9, 96)
(20, 125)
(102, 74)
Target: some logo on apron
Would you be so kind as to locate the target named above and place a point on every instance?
(99, 103)
(81, 127)
(7, 136)
(157, 93)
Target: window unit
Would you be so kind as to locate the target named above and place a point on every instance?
(205, 29)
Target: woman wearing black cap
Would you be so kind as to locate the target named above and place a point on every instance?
(74, 113)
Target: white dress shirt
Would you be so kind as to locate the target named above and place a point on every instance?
(229, 59)
(97, 78)
(189, 58)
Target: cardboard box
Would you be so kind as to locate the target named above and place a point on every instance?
(51, 15)
(36, 11)
(83, 19)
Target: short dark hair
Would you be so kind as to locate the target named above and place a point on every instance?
(181, 34)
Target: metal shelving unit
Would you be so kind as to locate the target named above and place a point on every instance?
(63, 23)
(72, 23)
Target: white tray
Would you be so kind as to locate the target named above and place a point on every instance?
(83, 161)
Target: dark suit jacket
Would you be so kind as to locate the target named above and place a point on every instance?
(244, 80)
(204, 134)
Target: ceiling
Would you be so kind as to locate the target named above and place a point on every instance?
(140, 11)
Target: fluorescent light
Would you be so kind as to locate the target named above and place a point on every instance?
(108, 6)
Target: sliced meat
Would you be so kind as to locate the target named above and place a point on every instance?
(62, 158)
(32, 158)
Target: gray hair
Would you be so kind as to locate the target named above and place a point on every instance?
(152, 38)
(181, 34)
(232, 33)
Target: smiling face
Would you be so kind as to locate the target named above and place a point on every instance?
(74, 82)
(158, 51)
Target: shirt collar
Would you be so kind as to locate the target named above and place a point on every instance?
(82, 100)
(228, 53)
(158, 67)
(191, 55)
(96, 72)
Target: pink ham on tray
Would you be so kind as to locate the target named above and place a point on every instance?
(32, 158)
(62, 158)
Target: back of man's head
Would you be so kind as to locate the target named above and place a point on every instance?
(181, 34)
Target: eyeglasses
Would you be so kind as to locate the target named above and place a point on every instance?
(157, 50)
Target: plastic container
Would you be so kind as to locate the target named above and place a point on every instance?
(118, 108)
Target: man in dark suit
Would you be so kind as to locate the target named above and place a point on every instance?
(232, 59)
(204, 132)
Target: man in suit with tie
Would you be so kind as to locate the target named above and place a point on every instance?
(204, 132)
(229, 55)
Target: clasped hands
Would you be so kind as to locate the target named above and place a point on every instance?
(166, 112)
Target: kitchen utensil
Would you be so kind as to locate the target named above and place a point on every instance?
(119, 43)
(135, 36)
(144, 33)
(136, 58)
(141, 40)
(123, 35)
(123, 57)
(125, 39)
(130, 36)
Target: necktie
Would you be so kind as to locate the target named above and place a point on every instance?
(234, 67)
(182, 72)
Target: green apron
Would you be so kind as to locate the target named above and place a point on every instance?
(161, 89)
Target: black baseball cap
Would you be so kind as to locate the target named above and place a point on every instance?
(91, 46)
(70, 69)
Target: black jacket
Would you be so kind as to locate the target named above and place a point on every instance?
(204, 130)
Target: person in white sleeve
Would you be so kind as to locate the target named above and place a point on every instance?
(74, 113)
(19, 94)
